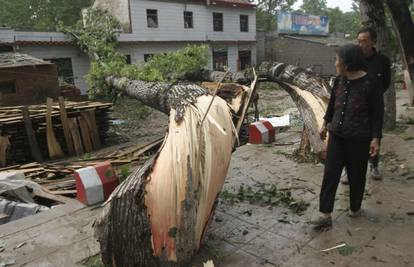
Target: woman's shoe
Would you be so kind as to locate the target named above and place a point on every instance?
(354, 214)
(323, 221)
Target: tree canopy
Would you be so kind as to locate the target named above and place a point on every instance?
(40, 15)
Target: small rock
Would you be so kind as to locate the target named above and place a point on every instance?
(245, 232)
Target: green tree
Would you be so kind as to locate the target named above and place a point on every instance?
(266, 13)
(314, 7)
(40, 15)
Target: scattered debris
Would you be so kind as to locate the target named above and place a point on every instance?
(335, 247)
(208, 264)
(266, 195)
(20, 245)
(58, 177)
(343, 249)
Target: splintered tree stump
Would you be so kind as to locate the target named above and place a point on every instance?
(159, 215)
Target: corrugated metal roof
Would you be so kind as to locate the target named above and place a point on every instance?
(13, 60)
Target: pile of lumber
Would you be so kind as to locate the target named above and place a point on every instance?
(58, 176)
(51, 131)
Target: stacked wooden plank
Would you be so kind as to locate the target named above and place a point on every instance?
(54, 130)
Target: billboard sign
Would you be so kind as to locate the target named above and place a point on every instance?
(299, 23)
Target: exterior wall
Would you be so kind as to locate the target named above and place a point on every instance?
(6, 35)
(80, 62)
(137, 51)
(171, 23)
(33, 84)
(305, 54)
(264, 46)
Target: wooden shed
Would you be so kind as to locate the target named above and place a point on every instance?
(26, 80)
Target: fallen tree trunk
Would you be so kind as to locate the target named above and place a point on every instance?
(310, 94)
(158, 216)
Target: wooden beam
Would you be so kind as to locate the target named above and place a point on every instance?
(65, 124)
(31, 137)
(55, 151)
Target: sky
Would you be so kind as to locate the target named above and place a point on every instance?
(344, 5)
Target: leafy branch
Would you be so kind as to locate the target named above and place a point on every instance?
(97, 36)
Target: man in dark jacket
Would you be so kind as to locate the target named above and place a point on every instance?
(378, 68)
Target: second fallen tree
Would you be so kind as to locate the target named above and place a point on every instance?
(310, 94)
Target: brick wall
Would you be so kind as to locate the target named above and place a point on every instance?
(305, 54)
(33, 84)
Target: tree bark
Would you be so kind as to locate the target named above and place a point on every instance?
(373, 15)
(160, 95)
(310, 94)
(404, 25)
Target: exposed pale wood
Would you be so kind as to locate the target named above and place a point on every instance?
(89, 117)
(34, 146)
(29, 165)
(74, 132)
(4, 144)
(247, 103)
(55, 151)
(66, 128)
(85, 133)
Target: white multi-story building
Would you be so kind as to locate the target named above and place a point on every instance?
(228, 27)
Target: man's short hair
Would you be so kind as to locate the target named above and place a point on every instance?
(371, 31)
(352, 57)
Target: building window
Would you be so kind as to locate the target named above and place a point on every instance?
(7, 88)
(6, 48)
(219, 59)
(245, 59)
(152, 18)
(218, 22)
(244, 23)
(188, 19)
(65, 69)
(147, 57)
(128, 59)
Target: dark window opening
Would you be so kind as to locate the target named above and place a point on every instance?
(128, 59)
(152, 18)
(6, 48)
(147, 57)
(219, 60)
(218, 22)
(7, 88)
(245, 59)
(188, 19)
(244, 23)
(65, 69)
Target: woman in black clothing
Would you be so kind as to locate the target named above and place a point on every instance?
(354, 121)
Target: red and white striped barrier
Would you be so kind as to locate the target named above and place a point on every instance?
(95, 184)
(261, 132)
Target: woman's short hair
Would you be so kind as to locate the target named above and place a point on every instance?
(352, 57)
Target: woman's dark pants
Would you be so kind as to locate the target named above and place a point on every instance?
(351, 153)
